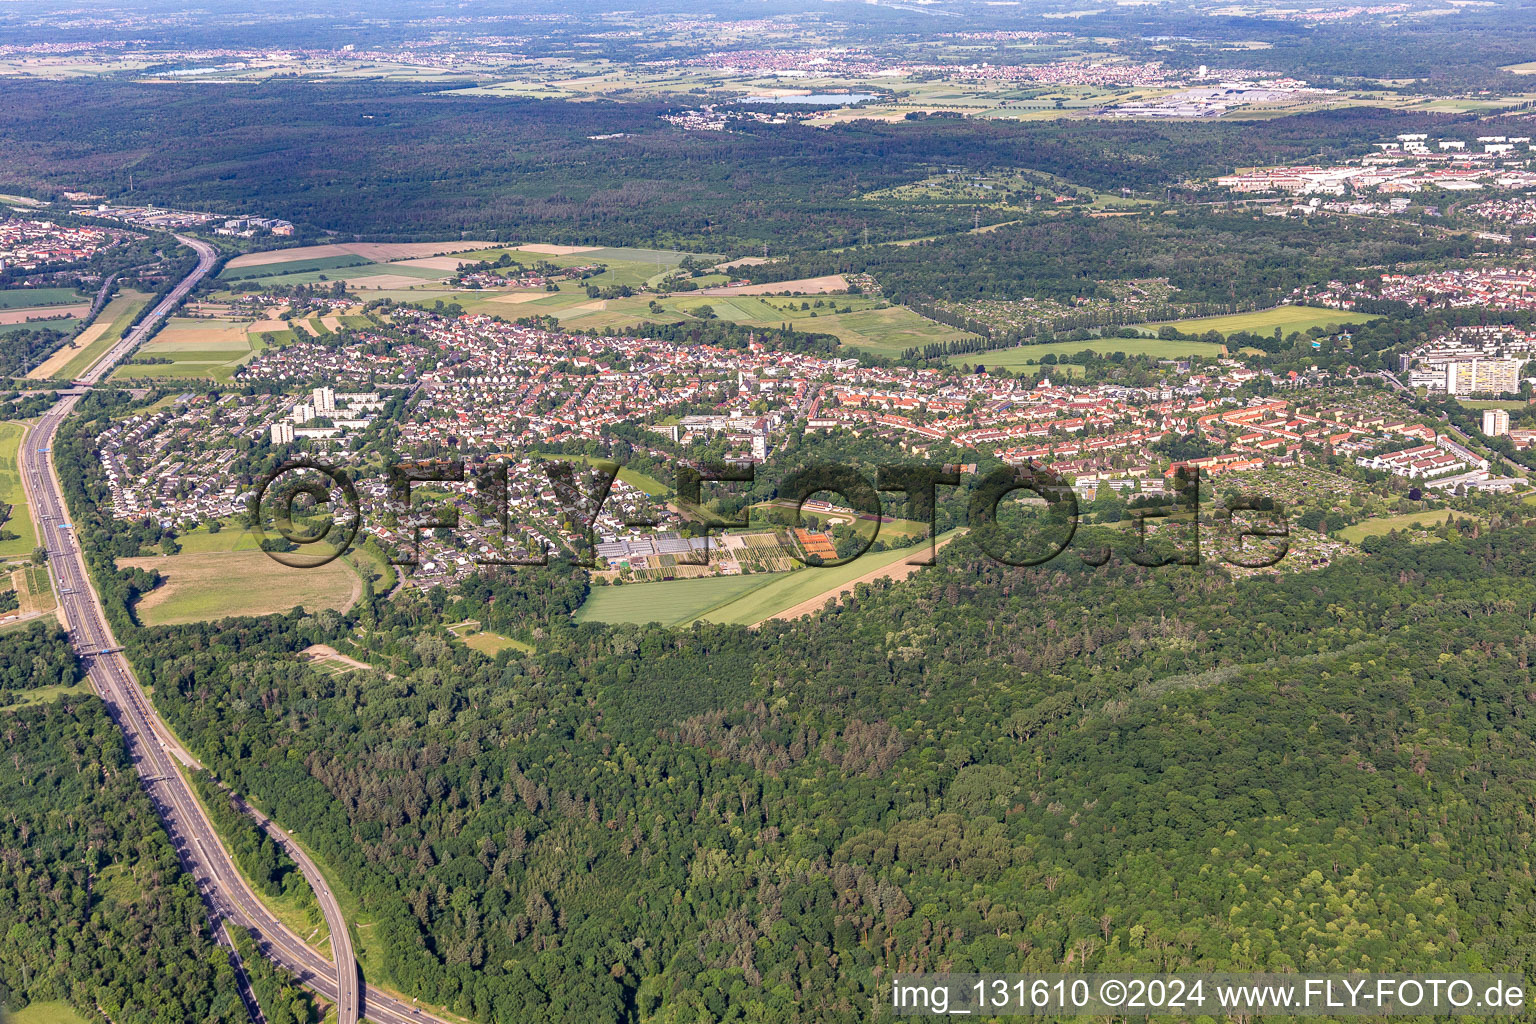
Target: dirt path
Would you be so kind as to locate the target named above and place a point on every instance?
(325, 652)
(898, 570)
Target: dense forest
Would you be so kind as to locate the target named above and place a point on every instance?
(394, 161)
(94, 907)
(1322, 771)
(1227, 260)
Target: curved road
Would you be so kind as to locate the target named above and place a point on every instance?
(151, 744)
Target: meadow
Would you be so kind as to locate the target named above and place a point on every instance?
(736, 600)
(1384, 525)
(1029, 356)
(20, 521)
(671, 603)
(43, 1013)
(870, 323)
(199, 587)
(92, 343)
(1264, 321)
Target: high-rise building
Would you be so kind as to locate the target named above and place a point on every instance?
(1480, 376)
(1495, 422)
(282, 433)
(303, 413)
(325, 401)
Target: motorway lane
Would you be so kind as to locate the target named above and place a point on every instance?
(151, 744)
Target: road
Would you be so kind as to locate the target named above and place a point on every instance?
(151, 745)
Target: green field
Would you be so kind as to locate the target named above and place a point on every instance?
(738, 600)
(488, 644)
(640, 481)
(887, 331)
(16, 298)
(43, 1013)
(200, 587)
(68, 325)
(671, 603)
(785, 590)
(20, 521)
(278, 269)
(198, 349)
(1028, 355)
(1264, 321)
(1488, 403)
(48, 694)
(1386, 524)
(118, 315)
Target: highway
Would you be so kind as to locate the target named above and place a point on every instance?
(151, 744)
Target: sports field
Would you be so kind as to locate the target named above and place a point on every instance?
(1264, 321)
(20, 521)
(200, 587)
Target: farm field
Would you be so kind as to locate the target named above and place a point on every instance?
(786, 590)
(34, 589)
(364, 266)
(20, 521)
(16, 298)
(197, 348)
(1028, 355)
(92, 343)
(42, 315)
(887, 331)
(738, 600)
(68, 325)
(1264, 321)
(213, 585)
(671, 603)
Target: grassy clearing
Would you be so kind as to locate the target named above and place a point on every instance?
(207, 586)
(1385, 525)
(44, 1013)
(1029, 355)
(1264, 321)
(20, 521)
(229, 538)
(487, 643)
(49, 694)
